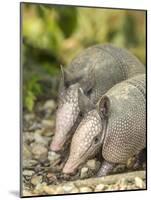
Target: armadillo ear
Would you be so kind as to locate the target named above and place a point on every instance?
(89, 81)
(103, 106)
(69, 78)
(66, 76)
(62, 87)
(84, 102)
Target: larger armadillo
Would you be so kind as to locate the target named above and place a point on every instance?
(95, 70)
(117, 124)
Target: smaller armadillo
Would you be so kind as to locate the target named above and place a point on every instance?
(116, 125)
(95, 70)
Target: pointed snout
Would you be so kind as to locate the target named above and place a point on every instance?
(68, 169)
(55, 145)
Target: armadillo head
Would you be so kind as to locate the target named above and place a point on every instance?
(88, 137)
(68, 108)
(67, 111)
(66, 116)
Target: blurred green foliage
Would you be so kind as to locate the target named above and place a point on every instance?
(53, 35)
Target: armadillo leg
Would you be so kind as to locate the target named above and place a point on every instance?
(140, 159)
(106, 167)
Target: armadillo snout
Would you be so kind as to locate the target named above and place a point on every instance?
(65, 119)
(69, 168)
(82, 142)
(56, 146)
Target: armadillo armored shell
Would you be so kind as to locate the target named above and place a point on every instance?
(126, 129)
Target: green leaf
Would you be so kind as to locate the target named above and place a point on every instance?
(29, 100)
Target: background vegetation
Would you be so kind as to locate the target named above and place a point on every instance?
(53, 35)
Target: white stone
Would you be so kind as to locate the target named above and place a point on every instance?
(28, 172)
(50, 104)
(36, 180)
(91, 164)
(85, 189)
(53, 156)
(70, 188)
(99, 187)
(139, 182)
(84, 172)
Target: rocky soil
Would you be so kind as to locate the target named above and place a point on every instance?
(41, 168)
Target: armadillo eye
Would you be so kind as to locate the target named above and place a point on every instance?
(81, 114)
(96, 140)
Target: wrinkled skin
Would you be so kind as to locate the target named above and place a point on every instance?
(89, 132)
(67, 113)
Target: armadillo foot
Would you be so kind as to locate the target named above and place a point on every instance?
(106, 167)
(140, 159)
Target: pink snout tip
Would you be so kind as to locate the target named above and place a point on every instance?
(55, 146)
(68, 169)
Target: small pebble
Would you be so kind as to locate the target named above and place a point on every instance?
(121, 184)
(29, 163)
(99, 187)
(139, 182)
(85, 189)
(74, 190)
(39, 189)
(35, 180)
(84, 172)
(91, 164)
(122, 187)
(52, 156)
(68, 187)
(48, 190)
(130, 162)
(39, 151)
(27, 193)
(53, 190)
(50, 104)
(48, 123)
(28, 172)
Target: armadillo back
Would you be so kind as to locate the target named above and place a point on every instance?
(106, 65)
(126, 132)
(129, 64)
(113, 65)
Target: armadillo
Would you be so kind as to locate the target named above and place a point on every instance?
(95, 70)
(116, 126)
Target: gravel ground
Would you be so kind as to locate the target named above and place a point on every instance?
(41, 168)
